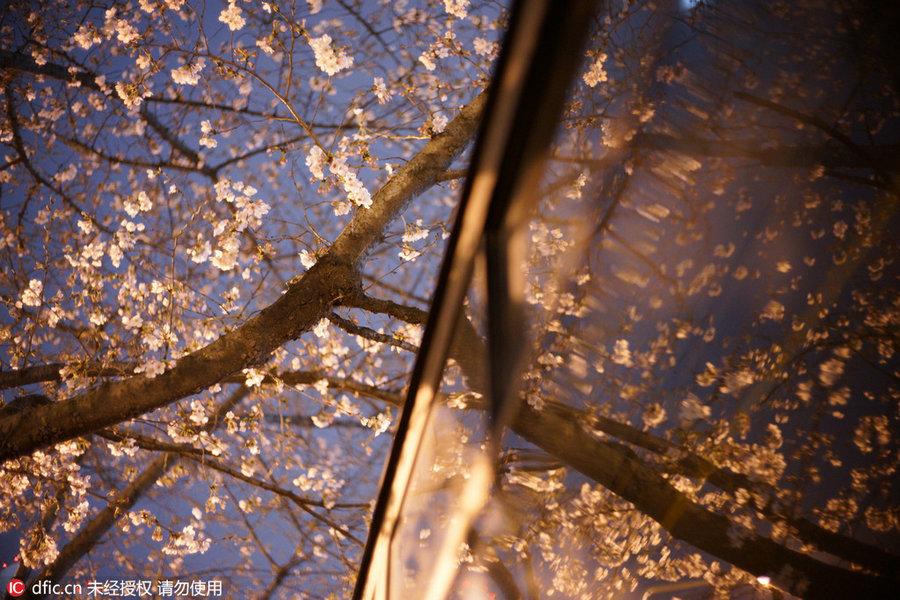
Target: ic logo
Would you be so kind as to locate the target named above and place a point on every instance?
(16, 587)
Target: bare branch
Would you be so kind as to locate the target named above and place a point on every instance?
(369, 333)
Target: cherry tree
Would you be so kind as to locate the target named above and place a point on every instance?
(221, 226)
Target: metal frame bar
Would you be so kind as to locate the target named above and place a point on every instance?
(539, 56)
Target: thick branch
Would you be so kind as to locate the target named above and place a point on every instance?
(694, 465)
(557, 429)
(16, 61)
(563, 432)
(303, 304)
(53, 372)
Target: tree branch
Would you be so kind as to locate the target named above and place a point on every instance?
(100, 523)
(333, 277)
(557, 429)
(695, 466)
(23, 156)
(16, 61)
(369, 333)
(303, 503)
(467, 347)
(338, 383)
(563, 432)
(53, 372)
(820, 124)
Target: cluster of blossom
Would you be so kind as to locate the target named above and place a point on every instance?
(67, 174)
(872, 430)
(232, 16)
(52, 110)
(408, 253)
(575, 191)
(878, 519)
(206, 139)
(127, 447)
(832, 369)
(547, 242)
(438, 122)
(32, 295)
(761, 463)
(654, 414)
(198, 414)
(184, 432)
(628, 535)
(381, 91)
(155, 336)
(253, 377)
(331, 350)
(316, 160)
(484, 47)
(189, 74)
(329, 60)
(621, 353)
(321, 328)
(356, 192)
(413, 233)
(691, 410)
(39, 55)
(86, 36)
(125, 238)
(773, 310)
(200, 251)
(596, 74)
(427, 60)
(124, 31)
(307, 258)
(188, 541)
(138, 204)
(457, 8)
(150, 7)
(16, 486)
(248, 211)
(318, 479)
(735, 380)
(442, 48)
(131, 94)
(151, 367)
(265, 45)
(38, 548)
(211, 443)
(379, 423)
